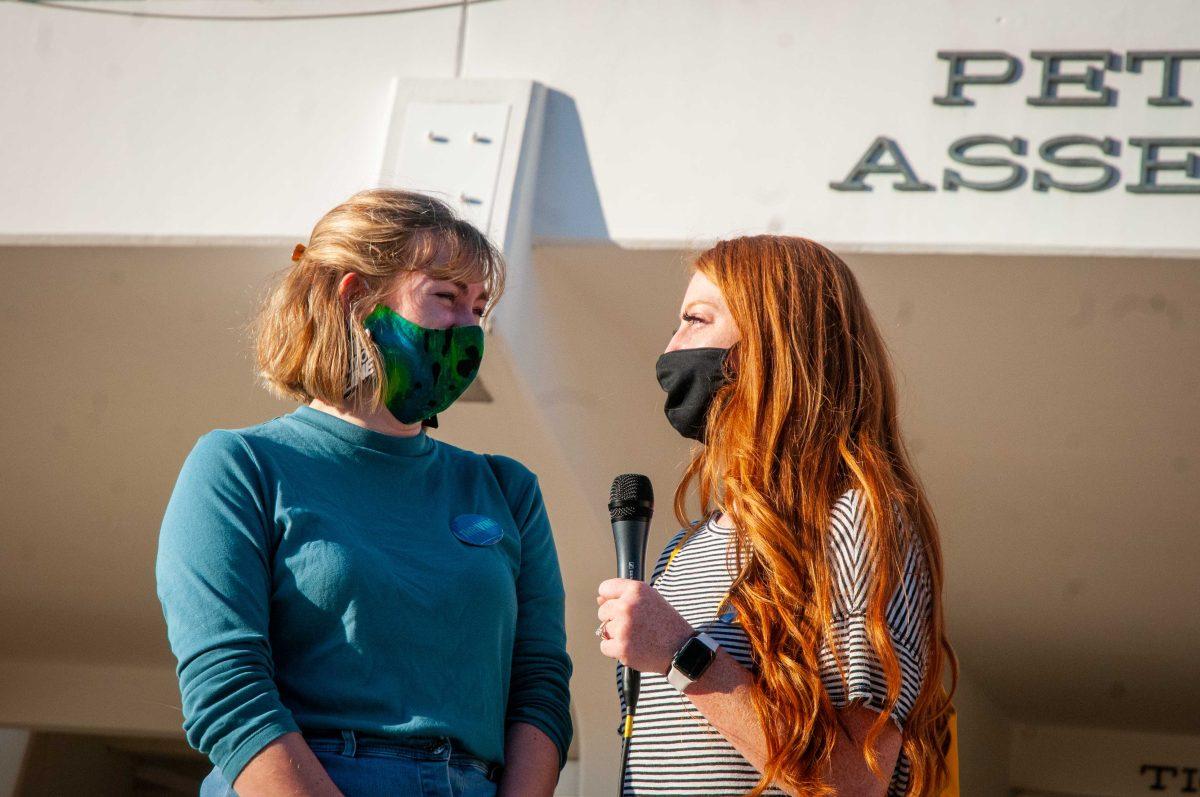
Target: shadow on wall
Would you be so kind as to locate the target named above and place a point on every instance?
(109, 766)
(566, 203)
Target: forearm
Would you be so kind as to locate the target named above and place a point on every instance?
(530, 763)
(285, 768)
(722, 694)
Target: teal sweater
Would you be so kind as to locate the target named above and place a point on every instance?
(312, 575)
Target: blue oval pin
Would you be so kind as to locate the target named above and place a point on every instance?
(476, 529)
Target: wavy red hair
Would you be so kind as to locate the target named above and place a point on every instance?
(808, 413)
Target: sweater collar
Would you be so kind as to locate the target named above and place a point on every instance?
(396, 445)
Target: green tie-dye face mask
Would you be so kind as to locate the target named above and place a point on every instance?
(426, 370)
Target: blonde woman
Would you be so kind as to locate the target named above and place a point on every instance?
(792, 641)
(356, 607)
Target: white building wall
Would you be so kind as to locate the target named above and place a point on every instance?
(672, 122)
(1097, 762)
(666, 124)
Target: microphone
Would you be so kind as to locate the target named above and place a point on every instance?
(630, 507)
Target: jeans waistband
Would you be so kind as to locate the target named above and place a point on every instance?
(433, 748)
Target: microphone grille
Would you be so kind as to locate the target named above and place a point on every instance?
(630, 496)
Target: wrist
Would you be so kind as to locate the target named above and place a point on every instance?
(673, 649)
(692, 661)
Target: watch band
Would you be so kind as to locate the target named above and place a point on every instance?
(681, 680)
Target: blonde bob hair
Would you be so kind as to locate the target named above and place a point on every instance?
(306, 341)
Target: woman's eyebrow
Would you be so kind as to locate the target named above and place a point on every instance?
(463, 287)
(697, 302)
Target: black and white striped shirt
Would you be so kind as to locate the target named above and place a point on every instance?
(675, 751)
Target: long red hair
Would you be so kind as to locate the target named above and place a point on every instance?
(808, 413)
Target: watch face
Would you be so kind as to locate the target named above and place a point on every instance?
(693, 658)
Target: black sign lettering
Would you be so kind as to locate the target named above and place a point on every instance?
(952, 180)
(958, 77)
(1171, 59)
(1081, 74)
(872, 162)
(1092, 77)
(1043, 181)
(1158, 770)
(1152, 165)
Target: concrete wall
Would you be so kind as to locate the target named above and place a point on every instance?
(1100, 762)
(984, 734)
(666, 124)
(62, 765)
(13, 743)
(90, 696)
(672, 121)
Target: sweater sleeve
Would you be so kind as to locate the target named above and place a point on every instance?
(541, 668)
(214, 581)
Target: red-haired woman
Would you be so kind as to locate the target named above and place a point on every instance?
(792, 641)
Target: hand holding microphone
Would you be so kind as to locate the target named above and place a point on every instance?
(637, 626)
(634, 619)
(641, 629)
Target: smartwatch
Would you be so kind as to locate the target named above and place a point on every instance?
(692, 660)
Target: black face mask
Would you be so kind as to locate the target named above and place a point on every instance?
(691, 378)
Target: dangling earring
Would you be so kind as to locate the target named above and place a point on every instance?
(361, 367)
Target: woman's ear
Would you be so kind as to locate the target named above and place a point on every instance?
(349, 286)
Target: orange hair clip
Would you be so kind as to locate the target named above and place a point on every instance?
(298, 252)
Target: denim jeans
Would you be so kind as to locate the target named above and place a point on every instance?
(372, 767)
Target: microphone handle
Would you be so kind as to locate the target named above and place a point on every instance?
(630, 537)
(631, 682)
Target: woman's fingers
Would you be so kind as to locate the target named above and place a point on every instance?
(609, 648)
(622, 607)
(615, 587)
(615, 645)
(606, 611)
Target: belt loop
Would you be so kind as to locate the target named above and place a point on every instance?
(349, 744)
